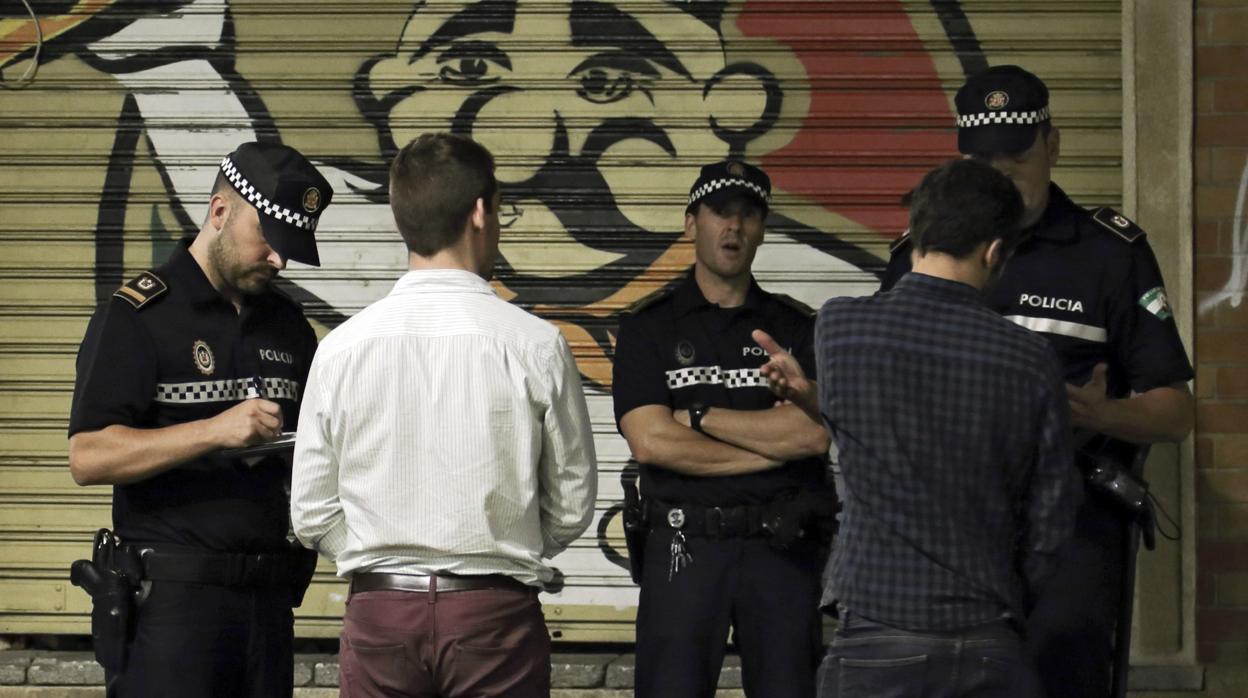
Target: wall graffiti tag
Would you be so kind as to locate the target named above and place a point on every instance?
(1232, 291)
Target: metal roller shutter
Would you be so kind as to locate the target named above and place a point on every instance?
(599, 114)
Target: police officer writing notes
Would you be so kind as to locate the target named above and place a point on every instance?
(1089, 283)
(733, 482)
(202, 354)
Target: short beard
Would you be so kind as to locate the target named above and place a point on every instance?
(229, 270)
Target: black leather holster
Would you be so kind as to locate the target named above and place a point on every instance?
(112, 577)
(636, 528)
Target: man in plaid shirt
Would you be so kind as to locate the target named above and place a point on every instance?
(953, 430)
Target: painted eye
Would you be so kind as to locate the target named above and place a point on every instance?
(608, 78)
(472, 63)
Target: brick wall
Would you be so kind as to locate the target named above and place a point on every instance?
(1221, 351)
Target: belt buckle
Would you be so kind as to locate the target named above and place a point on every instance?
(676, 518)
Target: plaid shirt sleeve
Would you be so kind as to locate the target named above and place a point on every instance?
(1054, 489)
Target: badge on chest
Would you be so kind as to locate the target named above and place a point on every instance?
(685, 354)
(203, 357)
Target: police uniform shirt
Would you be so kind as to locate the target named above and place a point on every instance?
(154, 358)
(1091, 285)
(679, 350)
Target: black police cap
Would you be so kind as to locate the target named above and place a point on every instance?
(1000, 110)
(288, 193)
(720, 180)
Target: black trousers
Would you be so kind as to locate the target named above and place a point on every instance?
(1070, 632)
(200, 640)
(767, 597)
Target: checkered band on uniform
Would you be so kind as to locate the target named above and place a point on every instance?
(231, 390)
(714, 375)
(717, 184)
(261, 202)
(1016, 118)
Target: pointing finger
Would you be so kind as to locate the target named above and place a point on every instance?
(768, 344)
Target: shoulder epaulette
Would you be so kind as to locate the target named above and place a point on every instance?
(1119, 224)
(899, 242)
(795, 304)
(142, 289)
(649, 300)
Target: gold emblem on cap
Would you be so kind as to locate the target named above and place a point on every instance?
(311, 199)
(736, 169)
(997, 99)
(204, 360)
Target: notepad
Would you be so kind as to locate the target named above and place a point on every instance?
(285, 442)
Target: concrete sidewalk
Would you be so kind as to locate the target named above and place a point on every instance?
(47, 674)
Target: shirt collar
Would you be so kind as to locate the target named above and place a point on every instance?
(183, 267)
(441, 280)
(936, 286)
(1051, 225)
(688, 296)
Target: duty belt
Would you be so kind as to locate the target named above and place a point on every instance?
(220, 569)
(711, 522)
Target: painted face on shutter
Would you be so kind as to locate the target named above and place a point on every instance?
(571, 102)
(600, 115)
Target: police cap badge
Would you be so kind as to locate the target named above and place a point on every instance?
(721, 180)
(1000, 109)
(288, 193)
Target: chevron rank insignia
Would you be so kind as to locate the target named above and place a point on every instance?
(141, 289)
(1117, 223)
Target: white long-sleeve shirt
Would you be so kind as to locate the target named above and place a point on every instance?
(443, 430)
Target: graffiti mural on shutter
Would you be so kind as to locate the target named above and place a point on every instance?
(599, 114)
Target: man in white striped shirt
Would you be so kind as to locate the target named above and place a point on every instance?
(444, 453)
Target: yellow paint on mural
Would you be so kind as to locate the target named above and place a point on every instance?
(20, 34)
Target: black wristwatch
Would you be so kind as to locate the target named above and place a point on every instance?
(696, 413)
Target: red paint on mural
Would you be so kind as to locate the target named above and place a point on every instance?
(878, 117)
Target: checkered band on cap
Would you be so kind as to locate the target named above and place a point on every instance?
(225, 391)
(1015, 118)
(261, 202)
(717, 184)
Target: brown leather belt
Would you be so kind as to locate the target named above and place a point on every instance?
(440, 583)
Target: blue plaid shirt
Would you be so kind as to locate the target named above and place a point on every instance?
(953, 430)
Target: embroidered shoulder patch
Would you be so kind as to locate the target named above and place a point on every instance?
(1117, 223)
(1154, 301)
(899, 242)
(142, 289)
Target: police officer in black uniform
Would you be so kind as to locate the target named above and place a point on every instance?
(199, 355)
(733, 483)
(1089, 282)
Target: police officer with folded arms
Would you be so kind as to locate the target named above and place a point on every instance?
(1088, 281)
(193, 588)
(733, 483)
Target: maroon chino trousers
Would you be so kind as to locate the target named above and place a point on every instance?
(461, 644)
